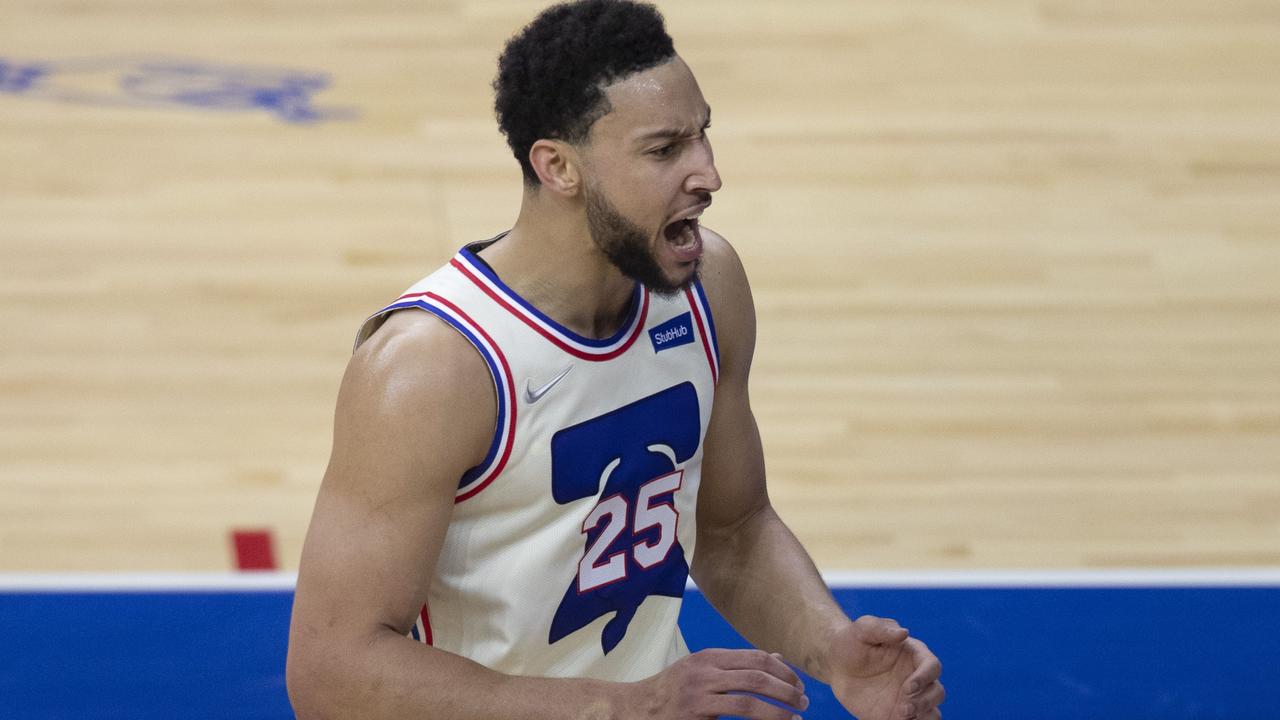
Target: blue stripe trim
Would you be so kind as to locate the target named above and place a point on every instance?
(474, 473)
(479, 266)
(711, 323)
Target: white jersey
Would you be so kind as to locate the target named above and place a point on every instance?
(569, 547)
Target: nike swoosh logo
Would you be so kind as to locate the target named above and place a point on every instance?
(532, 396)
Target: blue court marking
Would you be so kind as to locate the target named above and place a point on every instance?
(1073, 653)
(1042, 652)
(164, 82)
(144, 655)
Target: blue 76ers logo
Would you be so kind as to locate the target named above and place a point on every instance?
(160, 82)
(632, 550)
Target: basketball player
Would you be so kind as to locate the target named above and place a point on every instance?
(537, 444)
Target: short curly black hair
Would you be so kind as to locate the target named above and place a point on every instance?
(551, 75)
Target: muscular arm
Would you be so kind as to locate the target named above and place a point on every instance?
(748, 563)
(416, 409)
(753, 569)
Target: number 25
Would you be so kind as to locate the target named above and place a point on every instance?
(596, 573)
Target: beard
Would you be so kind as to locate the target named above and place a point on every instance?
(627, 246)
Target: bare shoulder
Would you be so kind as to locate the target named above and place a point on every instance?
(725, 281)
(722, 272)
(416, 350)
(416, 377)
(415, 411)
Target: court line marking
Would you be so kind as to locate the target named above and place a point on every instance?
(922, 579)
(148, 582)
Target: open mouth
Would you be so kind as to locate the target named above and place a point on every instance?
(685, 239)
(682, 233)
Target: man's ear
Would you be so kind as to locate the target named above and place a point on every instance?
(558, 166)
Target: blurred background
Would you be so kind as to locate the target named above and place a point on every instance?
(1016, 264)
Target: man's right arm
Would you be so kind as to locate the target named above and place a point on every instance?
(415, 411)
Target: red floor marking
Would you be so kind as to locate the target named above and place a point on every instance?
(254, 549)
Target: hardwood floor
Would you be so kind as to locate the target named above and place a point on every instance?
(1016, 263)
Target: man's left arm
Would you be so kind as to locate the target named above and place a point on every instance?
(753, 569)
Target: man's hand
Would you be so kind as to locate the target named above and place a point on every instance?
(712, 683)
(879, 672)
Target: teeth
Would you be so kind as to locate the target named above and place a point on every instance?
(685, 236)
(683, 231)
(693, 216)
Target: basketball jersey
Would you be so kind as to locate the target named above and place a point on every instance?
(570, 543)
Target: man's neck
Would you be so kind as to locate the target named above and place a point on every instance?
(550, 260)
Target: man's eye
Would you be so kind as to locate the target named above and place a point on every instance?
(663, 151)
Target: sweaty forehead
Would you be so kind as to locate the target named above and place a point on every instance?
(665, 97)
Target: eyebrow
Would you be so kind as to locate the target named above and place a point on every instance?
(672, 132)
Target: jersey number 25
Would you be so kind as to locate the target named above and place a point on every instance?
(630, 459)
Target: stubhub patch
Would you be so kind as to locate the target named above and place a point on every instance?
(673, 333)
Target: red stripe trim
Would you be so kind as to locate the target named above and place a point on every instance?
(644, 311)
(702, 332)
(426, 626)
(511, 396)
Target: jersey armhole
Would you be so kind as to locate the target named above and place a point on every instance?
(481, 475)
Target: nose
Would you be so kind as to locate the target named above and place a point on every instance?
(704, 178)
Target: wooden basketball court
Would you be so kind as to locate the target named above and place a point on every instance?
(1017, 264)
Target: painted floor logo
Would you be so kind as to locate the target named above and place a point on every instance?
(157, 82)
